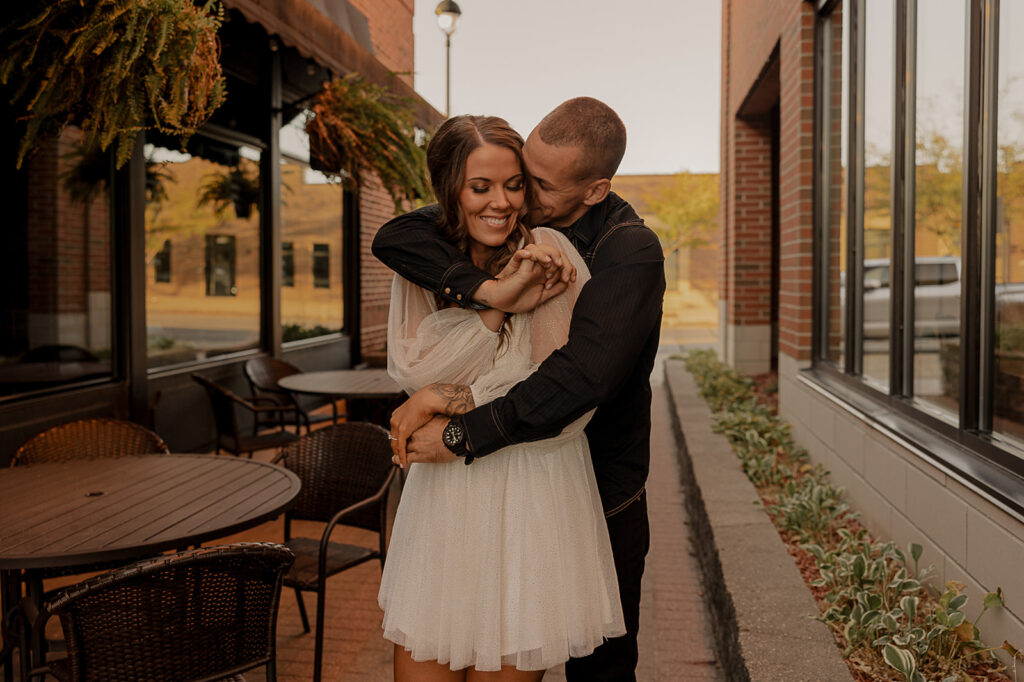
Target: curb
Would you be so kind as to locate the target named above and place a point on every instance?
(761, 610)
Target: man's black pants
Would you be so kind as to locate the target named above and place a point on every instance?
(616, 659)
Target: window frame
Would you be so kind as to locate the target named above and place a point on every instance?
(962, 445)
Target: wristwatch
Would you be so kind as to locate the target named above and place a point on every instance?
(454, 438)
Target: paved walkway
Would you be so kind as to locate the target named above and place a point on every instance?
(674, 636)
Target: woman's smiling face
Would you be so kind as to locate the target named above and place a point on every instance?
(492, 195)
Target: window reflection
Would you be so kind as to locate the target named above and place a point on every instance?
(938, 188)
(55, 267)
(312, 303)
(878, 136)
(204, 209)
(1008, 379)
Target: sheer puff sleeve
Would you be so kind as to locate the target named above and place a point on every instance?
(427, 345)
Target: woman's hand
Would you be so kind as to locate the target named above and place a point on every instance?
(421, 407)
(535, 274)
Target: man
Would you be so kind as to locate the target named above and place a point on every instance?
(571, 157)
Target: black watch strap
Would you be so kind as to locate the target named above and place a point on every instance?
(454, 438)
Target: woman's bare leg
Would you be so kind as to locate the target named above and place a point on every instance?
(507, 674)
(408, 670)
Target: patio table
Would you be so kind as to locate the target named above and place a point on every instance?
(87, 512)
(348, 384)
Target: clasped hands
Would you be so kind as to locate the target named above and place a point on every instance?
(535, 274)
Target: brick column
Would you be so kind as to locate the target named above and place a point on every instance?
(751, 33)
(376, 208)
(747, 314)
(796, 183)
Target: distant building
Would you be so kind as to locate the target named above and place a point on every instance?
(872, 251)
(686, 265)
(198, 259)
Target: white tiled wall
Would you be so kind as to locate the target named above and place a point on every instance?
(900, 496)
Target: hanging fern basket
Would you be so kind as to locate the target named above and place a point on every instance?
(113, 67)
(358, 128)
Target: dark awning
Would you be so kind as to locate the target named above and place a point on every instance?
(331, 32)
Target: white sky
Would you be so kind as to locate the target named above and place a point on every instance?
(656, 62)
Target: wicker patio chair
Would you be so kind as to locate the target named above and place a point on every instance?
(346, 473)
(89, 439)
(229, 434)
(264, 372)
(203, 614)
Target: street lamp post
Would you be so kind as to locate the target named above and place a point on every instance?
(447, 12)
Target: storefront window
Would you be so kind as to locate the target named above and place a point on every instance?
(879, 71)
(206, 205)
(55, 267)
(1008, 379)
(938, 205)
(312, 304)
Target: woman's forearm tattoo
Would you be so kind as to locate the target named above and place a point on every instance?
(455, 399)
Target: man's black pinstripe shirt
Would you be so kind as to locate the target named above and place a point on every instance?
(607, 362)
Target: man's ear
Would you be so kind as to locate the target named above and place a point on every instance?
(597, 191)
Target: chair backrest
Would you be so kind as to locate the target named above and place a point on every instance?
(203, 614)
(89, 439)
(339, 466)
(264, 372)
(223, 402)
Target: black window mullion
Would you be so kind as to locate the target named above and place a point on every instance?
(909, 212)
(901, 279)
(970, 279)
(821, 273)
(855, 197)
(987, 158)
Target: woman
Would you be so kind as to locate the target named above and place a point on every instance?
(501, 569)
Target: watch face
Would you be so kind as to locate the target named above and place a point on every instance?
(452, 435)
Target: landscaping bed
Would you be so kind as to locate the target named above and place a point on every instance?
(887, 619)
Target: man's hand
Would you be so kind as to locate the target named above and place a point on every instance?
(436, 399)
(425, 445)
(534, 274)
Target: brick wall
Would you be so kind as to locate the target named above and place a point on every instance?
(748, 239)
(68, 250)
(391, 33)
(751, 31)
(376, 208)
(796, 195)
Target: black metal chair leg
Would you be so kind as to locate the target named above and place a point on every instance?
(302, 610)
(318, 651)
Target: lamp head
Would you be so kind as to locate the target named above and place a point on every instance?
(447, 12)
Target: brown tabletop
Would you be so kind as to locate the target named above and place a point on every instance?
(74, 513)
(343, 383)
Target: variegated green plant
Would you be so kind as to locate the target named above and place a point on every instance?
(874, 591)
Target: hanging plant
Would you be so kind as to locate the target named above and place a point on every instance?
(89, 173)
(238, 187)
(358, 127)
(113, 67)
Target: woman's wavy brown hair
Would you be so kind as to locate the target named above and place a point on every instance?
(447, 153)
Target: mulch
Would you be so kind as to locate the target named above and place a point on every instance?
(866, 665)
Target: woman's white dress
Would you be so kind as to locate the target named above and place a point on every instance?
(505, 561)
